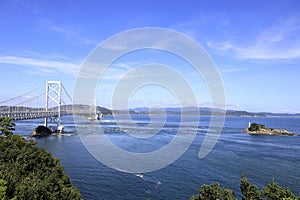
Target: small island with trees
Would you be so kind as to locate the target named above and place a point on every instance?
(260, 129)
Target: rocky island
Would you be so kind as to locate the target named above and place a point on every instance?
(260, 129)
(41, 131)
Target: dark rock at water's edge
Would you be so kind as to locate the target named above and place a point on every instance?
(260, 129)
(41, 131)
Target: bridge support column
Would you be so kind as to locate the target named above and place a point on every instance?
(53, 94)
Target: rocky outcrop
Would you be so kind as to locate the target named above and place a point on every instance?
(41, 131)
(259, 129)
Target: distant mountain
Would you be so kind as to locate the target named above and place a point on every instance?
(85, 109)
(189, 110)
(194, 110)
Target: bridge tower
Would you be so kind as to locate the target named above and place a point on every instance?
(53, 94)
(93, 109)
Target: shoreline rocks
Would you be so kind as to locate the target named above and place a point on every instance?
(259, 129)
(41, 131)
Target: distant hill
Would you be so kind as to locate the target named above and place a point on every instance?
(189, 110)
(194, 110)
(80, 108)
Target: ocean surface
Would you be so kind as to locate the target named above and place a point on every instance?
(262, 158)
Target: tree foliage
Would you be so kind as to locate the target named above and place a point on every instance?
(2, 189)
(274, 191)
(249, 192)
(256, 127)
(214, 191)
(28, 172)
(6, 126)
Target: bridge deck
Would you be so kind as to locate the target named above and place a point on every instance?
(30, 115)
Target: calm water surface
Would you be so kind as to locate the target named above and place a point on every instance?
(260, 157)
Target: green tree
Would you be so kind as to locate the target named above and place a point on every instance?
(250, 192)
(256, 127)
(214, 191)
(6, 126)
(273, 191)
(2, 189)
(31, 173)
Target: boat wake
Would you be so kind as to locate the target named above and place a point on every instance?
(148, 179)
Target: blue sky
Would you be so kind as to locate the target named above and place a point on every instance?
(255, 45)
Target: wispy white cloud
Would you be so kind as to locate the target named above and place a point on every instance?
(114, 46)
(25, 5)
(41, 65)
(130, 64)
(265, 51)
(115, 71)
(278, 42)
(39, 56)
(233, 107)
(197, 26)
(70, 31)
(118, 70)
(59, 29)
(234, 69)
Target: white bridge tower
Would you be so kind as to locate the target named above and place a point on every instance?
(53, 94)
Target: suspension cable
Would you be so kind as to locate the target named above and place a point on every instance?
(28, 100)
(67, 93)
(23, 102)
(5, 101)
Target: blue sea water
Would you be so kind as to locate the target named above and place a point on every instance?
(262, 158)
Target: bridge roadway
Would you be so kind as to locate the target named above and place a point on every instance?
(23, 115)
(33, 114)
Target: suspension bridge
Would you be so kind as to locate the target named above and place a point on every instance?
(49, 104)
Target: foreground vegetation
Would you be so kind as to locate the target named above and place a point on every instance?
(28, 172)
(250, 192)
